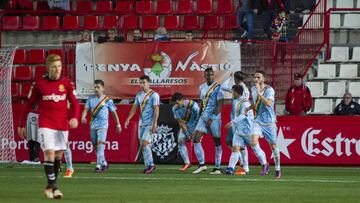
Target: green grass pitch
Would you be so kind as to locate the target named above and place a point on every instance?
(125, 183)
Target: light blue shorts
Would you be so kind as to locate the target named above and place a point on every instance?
(98, 135)
(241, 141)
(186, 135)
(266, 131)
(144, 133)
(215, 127)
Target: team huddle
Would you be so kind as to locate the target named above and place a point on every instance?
(249, 122)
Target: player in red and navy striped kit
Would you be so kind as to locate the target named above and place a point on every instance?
(51, 93)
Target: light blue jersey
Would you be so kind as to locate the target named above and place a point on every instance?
(243, 123)
(190, 113)
(264, 115)
(210, 95)
(146, 101)
(101, 120)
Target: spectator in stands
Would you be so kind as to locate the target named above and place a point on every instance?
(246, 8)
(59, 4)
(279, 33)
(189, 36)
(269, 10)
(347, 106)
(85, 36)
(298, 99)
(298, 6)
(161, 34)
(110, 37)
(137, 36)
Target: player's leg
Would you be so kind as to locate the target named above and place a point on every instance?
(31, 150)
(37, 151)
(270, 135)
(68, 159)
(255, 134)
(235, 155)
(200, 130)
(47, 140)
(94, 138)
(215, 129)
(183, 150)
(101, 141)
(245, 140)
(146, 140)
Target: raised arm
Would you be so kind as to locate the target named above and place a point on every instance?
(33, 94)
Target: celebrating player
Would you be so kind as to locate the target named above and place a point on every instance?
(210, 119)
(100, 104)
(265, 119)
(186, 112)
(149, 102)
(242, 124)
(51, 94)
(226, 86)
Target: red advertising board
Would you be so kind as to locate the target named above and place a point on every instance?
(307, 140)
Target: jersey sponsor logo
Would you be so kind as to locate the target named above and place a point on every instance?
(339, 145)
(163, 141)
(61, 88)
(54, 97)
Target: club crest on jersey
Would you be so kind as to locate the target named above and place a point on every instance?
(61, 88)
(163, 141)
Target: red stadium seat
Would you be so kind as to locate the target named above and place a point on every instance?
(185, 7)
(171, 22)
(225, 7)
(204, 6)
(110, 21)
(211, 22)
(23, 73)
(20, 56)
(104, 6)
(59, 52)
(124, 7)
(191, 23)
(70, 23)
(150, 22)
(36, 56)
(31, 23)
(51, 23)
(164, 7)
(143, 7)
(230, 22)
(26, 4)
(25, 89)
(11, 23)
(84, 5)
(131, 22)
(91, 23)
(39, 71)
(71, 56)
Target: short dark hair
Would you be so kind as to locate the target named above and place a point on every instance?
(99, 82)
(209, 69)
(239, 75)
(145, 77)
(238, 89)
(176, 96)
(188, 31)
(261, 72)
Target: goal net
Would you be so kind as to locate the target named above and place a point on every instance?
(7, 142)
